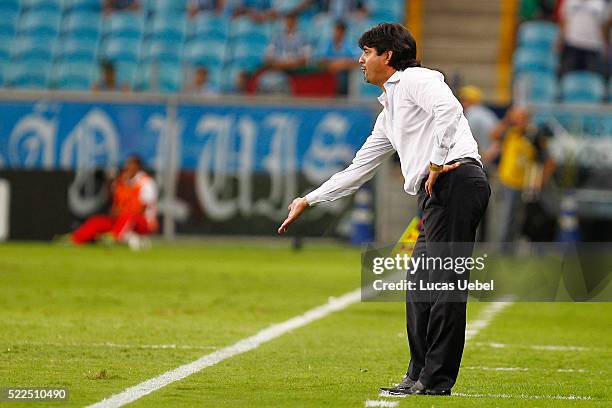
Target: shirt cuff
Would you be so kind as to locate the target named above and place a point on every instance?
(439, 155)
(311, 198)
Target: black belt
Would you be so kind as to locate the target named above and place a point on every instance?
(466, 160)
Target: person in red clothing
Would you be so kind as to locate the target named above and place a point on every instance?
(134, 209)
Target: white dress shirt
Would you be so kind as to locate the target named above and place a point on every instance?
(421, 120)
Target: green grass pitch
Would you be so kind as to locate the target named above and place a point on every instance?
(98, 320)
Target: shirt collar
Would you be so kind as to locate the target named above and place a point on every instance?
(392, 80)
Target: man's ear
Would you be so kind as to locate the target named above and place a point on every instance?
(389, 55)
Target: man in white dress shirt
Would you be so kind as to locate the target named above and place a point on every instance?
(424, 123)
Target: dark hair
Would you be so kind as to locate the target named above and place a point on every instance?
(136, 159)
(392, 37)
(340, 24)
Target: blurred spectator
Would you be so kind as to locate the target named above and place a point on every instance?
(523, 150)
(482, 121)
(290, 50)
(134, 209)
(201, 84)
(258, 10)
(583, 36)
(214, 6)
(120, 5)
(537, 9)
(337, 9)
(108, 79)
(339, 55)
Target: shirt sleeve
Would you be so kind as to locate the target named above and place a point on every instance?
(436, 98)
(374, 151)
(148, 192)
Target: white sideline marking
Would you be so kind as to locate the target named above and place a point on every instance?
(535, 347)
(559, 370)
(524, 396)
(514, 396)
(473, 327)
(381, 403)
(276, 330)
(117, 345)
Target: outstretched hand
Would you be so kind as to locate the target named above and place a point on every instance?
(296, 208)
(433, 176)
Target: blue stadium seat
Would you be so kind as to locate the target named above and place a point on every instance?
(540, 35)
(160, 50)
(127, 25)
(52, 6)
(27, 75)
(32, 49)
(8, 22)
(76, 50)
(162, 77)
(82, 24)
(168, 7)
(126, 72)
(6, 43)
(73, 76)
(209, 26)
(541, 87)
(9, 7)
(83, 5)
(582, 86)
(206, 52)
(244, 27)
(41, 23)
(168, 28)
(529, 60)
(120, 49)
(321, 28)
(247, 55)
(394, 8)
(228, 80)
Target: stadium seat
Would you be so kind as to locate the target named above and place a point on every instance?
(228, 80)
(126, 72)
(82, 24)
(206, 52)
(540, 87)
(27, 75)
(76, 50)
(52, 6)
(209, 26)
(394, 8)
(126, 25)
(248, 56)
(528, 60)
(120, 49)
(9, 7)
(6, 43)
(32, 49)
(73, 76)
(83, 5)
(322, 28)
(160, 50)
(159, 77)
(582, 86)
(540, 35)
(168, 28)
(8, 22)
(246, 28)
(41, 23)
(169, 7)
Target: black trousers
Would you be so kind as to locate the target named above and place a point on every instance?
(436, 323)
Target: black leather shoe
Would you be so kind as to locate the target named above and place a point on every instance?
(419, 389)
(401, 388)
